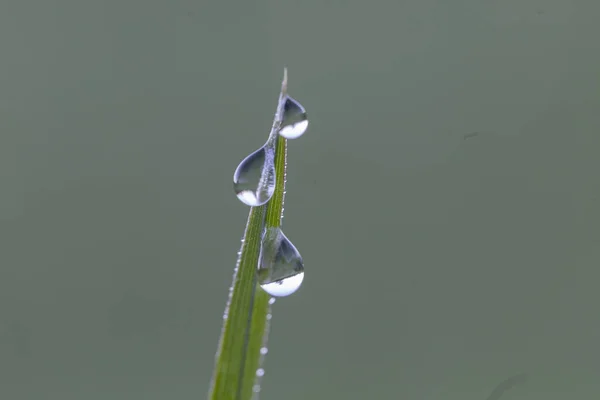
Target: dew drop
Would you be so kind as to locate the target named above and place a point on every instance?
(272, 300)
(295, 120)
(260, 372)
(264, 350)
(280, 268)
(254, 178)
(256, 388)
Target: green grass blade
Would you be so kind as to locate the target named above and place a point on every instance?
(246, 325)
(275, 206)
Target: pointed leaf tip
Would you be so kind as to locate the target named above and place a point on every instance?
(284, 82)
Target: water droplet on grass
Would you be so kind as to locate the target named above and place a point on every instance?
(280, 268)
(254, 178)
(295, 120)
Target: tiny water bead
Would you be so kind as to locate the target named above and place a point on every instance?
(295, 120)
(280, 266)
(254, 178)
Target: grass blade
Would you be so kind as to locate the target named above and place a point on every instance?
(246, 321)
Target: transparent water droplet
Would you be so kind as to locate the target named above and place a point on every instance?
(260, 372)
(272, 300)
(264, 350)
(280, 267)
(254, 178)
(295, 120)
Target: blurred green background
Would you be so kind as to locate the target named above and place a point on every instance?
(445, 197)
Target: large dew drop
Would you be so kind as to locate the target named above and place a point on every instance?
(295, 120)
(280, 266)
(254, 178)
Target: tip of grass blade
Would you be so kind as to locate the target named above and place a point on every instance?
(284, 82)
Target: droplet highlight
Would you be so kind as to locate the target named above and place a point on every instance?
(295, 120)
(254, 178)
(280, 268)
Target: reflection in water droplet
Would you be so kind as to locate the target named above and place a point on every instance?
(254, 178)
(295, 120)
(280, 267)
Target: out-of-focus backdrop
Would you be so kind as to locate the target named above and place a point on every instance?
(445, 198)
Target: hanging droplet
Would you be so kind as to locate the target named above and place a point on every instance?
(254, 178)
(295, 120)
(280, 265)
